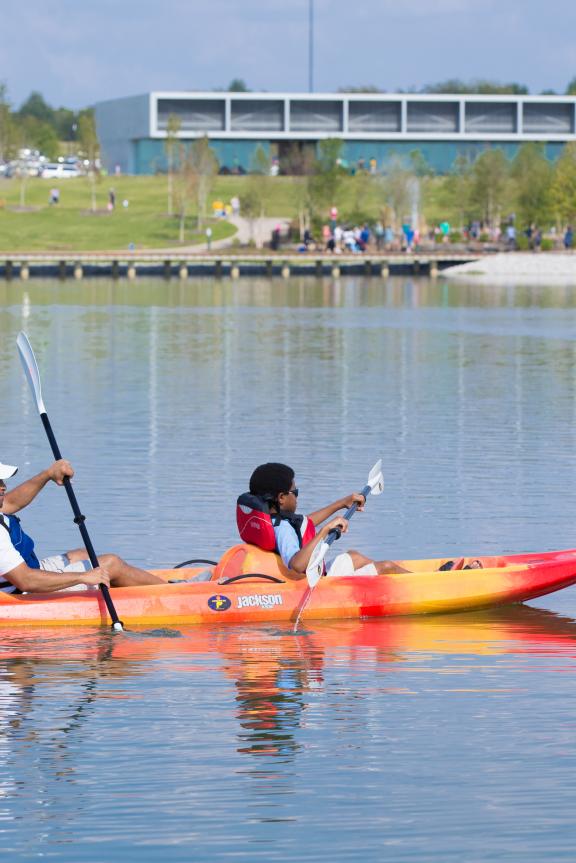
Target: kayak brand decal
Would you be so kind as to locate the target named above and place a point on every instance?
(219, 602)
(265, 600)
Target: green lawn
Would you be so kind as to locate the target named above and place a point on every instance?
(70, 226)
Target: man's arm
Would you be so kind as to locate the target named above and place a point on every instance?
(37, 581)
(344, 503)
(23, 494)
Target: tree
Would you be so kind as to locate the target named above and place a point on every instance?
(457, 187)
(238, 85)
(489, 179)
(171, 149)
(65, 123)
(39, 136)
(491, 88)
(363, 88)
(255, 198)
(6, 125)
(326, 181)
(532, 174)
(90, 149)
(571, 88)
(204, 164)
(197, 167)
(35, 106)
(563, 191)
(397, 187)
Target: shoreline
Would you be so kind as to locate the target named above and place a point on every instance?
(524, 267)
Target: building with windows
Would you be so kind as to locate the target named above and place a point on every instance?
(373, 127)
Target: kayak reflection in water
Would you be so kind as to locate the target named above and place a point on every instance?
(21, 571)
(274, 495)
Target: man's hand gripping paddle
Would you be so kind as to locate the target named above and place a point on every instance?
(33, 377)
(315, 568)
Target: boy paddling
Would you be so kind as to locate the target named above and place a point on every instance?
(295, 535)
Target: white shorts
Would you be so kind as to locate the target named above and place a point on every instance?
(343, 565)
(60, 563)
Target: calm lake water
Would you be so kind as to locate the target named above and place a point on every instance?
(442, 739)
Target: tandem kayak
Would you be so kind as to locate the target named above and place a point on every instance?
(249, 585)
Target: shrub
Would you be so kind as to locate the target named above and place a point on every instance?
(484, 238)
(455, 237)
(522, 243)
(547, 244)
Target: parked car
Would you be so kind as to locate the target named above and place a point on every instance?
(58, 171)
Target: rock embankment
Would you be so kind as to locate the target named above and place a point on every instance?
(523, 267)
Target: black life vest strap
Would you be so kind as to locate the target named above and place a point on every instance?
(293, 518)
(4, 584)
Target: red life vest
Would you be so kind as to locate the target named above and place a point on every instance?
(256, 524)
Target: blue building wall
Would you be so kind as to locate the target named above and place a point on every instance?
(440, 156)
(149, 156)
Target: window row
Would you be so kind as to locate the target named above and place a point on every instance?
(209, 115)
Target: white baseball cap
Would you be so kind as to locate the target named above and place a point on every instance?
(7, 470)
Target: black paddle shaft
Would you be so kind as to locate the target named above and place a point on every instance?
(336, 533)
(79, 519)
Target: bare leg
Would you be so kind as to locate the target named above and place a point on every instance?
(383, 567)
(122, 574)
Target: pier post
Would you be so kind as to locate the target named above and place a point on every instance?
(285, 270)
(269, 268)
(62, 270)
(9, 270)
(433, 269)
(234, 271)
(167, 269)
(416, 266)
(335, 272)
(385, 269)
(218, 268)
(78, 272)
(183, 271)
(318, 268)
(115, 269)
(131, 271)
(368, 268)
(24, 271)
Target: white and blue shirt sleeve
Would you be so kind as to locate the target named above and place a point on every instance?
(9, 557)
(286, 541)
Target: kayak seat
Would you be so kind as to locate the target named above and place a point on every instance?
(244, 575)
(250, 561)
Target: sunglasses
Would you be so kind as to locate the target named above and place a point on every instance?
(293, 491)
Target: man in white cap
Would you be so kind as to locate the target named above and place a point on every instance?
(20, 569)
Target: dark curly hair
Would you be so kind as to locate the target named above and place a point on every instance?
(270, 479)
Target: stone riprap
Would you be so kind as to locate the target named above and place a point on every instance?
(519, 266)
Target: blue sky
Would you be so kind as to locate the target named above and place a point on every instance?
(77, 52)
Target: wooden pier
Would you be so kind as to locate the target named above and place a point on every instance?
(173, 265)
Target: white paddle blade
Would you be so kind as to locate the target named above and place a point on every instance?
(30, 369)
(315, 566)
(376, 478)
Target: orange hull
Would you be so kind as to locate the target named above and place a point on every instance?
(424, 590)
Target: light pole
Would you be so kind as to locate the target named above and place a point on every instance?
(311, 46)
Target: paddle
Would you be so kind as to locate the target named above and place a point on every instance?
(374, 485)
(33, 377)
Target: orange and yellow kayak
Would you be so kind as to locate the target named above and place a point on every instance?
(249, 586)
